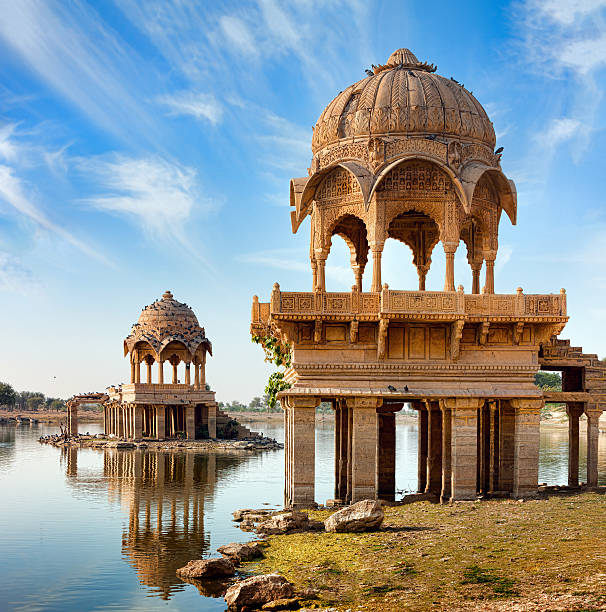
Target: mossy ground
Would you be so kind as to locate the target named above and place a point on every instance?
(547, 554)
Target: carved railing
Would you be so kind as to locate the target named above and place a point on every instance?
(389, 302)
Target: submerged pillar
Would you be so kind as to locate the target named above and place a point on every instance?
(72, 419)
(300, 451)
(138, 422)
(160, 422)
(464, 454)
(364, 448)
(526, 447)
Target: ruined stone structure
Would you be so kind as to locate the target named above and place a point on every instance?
(74, 402)
(167, 330)
(407, 154)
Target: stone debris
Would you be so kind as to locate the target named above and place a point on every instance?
(257, 591)
(365, 515)
(288, 522)
(218, 567)
(238, 553)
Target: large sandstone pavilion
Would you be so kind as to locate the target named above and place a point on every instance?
(410, 155)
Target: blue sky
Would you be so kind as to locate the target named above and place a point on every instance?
(147, 145)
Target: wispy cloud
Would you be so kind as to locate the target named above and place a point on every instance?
(14, 276)
(559, 131)
(159, 195)
(239, 34)
(198, 105)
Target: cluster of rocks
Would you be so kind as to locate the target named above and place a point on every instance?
(111, 441)
(365, 515)
(17, 419)
(272, 591)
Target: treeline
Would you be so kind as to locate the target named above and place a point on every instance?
(261, 404)
(550, 381)
(30, 401)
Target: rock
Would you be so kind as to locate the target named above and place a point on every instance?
(366, 515)
(207, 568)
(292, 603)
(257, 591)
(237, 553)
(240, 515)
(286, 522)
(126, 445)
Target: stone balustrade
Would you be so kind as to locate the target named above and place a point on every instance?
(425, 304)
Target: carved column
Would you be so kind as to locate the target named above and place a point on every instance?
(160, 422)
(138, 422)
(212, 420)
(593, 412)
(476, 269)
(321, 256)
(190, 422)
(342, 459)
(449, 250)
(526, 446)
(72, 416)
(484, 449)
(464, 453)
(489, 256)
(422, 274)
(358, 271)
(434, 449)
(421, 409)
(196, 375)
(377, 250)
(187, 374)
(574, 410)
(386, 452)
(137, 370)
(446, 452)
(175, 373)
(148, 363)
(493, 485)
(300, 451)
(160, 372)
(132, 369)
(364, 448)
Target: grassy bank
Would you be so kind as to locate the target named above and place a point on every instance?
(50, 416)
(547, 554)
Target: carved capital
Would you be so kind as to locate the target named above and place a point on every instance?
(455, 340)
(365, 402)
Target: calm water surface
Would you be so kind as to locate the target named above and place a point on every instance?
(105, 530)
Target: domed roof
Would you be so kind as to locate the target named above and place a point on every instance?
(403, 96)
(165, 321)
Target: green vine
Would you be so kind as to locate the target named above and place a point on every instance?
(279, 354)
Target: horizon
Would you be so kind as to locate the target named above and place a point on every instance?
(145, 150)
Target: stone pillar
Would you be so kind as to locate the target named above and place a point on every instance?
(386, 454)
(175, 374)
(464, 453)
(475, 277)
(187, 374)
(132, 369)
(160, 372)
(493, 484)
(160, 422)
(421, 409)
(422, 274)
(343, 457)
(203, 375)
(137, 371)
(300, 451)
(149, 371)
(212, 420)
(489, 285)
(484, 449)
(506, 446)
(593, 412)
(321, 256)
(190, 422)
(574, 410)
(349, 471)
(196, 376)
(336, 406)
(446, 452)
(526, 447)
(138, 422)
(364, 448)
(358, 271)
(377, 250)
(434, 449)
(449, 250)
(72, 417)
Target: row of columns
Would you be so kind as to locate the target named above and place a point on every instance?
(467, 446)
(574, 410)
(156, 421)
(318, 266)
(199, 372)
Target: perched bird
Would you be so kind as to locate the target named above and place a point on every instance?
(406, 388)
(391, 388)
(369, 72)
(499, 150)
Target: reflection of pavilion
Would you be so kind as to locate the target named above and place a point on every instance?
(165, 493)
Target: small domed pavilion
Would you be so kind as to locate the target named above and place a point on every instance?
(167, 331)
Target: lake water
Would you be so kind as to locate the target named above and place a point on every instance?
(86, 529)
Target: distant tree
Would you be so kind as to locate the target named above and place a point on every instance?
(8, 396)
(35, 402)
(23, 396)
(548, 380)
(257, 403)
(56, 404)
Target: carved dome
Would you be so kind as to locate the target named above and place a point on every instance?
(404, 97)
(165, 321)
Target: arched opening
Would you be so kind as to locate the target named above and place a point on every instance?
(420, 233)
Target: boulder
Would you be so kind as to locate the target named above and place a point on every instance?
(207, 568)
(237, 553)
(286, 522)
(365, 515)
(257, 591)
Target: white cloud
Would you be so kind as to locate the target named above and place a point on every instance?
(8, 150)
(158, 194)
(239, 34)
(559, 131)
(12, 192)
(585, 55)
(198, 105)
(14, 276)
(568, 11)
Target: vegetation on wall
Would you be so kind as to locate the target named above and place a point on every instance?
(277, 353)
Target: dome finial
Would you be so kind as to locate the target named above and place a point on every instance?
(167, 295)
